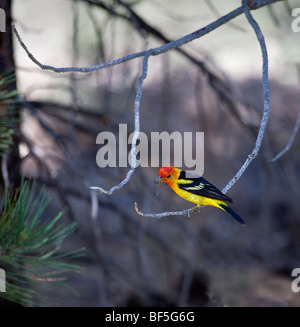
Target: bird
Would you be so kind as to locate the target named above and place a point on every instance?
(196, 189)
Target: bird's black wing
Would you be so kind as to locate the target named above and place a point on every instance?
(200, 186)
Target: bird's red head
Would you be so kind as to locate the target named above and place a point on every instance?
(164, 172)
(167, 174)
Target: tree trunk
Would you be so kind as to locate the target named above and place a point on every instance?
(10, 162)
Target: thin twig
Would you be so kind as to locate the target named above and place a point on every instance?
(132, 160)
(216, 12)
(291, 139)
(265, 80)
(185, 212)
(57, 138)
(4, 170)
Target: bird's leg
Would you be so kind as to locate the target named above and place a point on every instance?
(196, 208)
(188, 212)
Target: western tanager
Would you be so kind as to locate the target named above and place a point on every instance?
(196, 189)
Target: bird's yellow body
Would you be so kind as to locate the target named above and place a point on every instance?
(196, 189)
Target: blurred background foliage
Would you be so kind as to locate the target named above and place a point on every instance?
(206, 259)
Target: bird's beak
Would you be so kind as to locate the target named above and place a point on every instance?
(158, 180)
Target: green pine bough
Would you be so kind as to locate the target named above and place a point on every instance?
(30, 251)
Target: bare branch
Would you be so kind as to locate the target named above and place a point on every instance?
(156, 51)
(255, 4)
(76, 69)
(215, 11)
(291, 139)
(185, 212)
(4, 169)
(265, 80)
(132, 160)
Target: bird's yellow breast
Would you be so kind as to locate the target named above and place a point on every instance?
(199, 200)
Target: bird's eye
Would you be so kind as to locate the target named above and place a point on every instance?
(168, 176)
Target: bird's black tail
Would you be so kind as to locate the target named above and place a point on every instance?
(233, 214)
